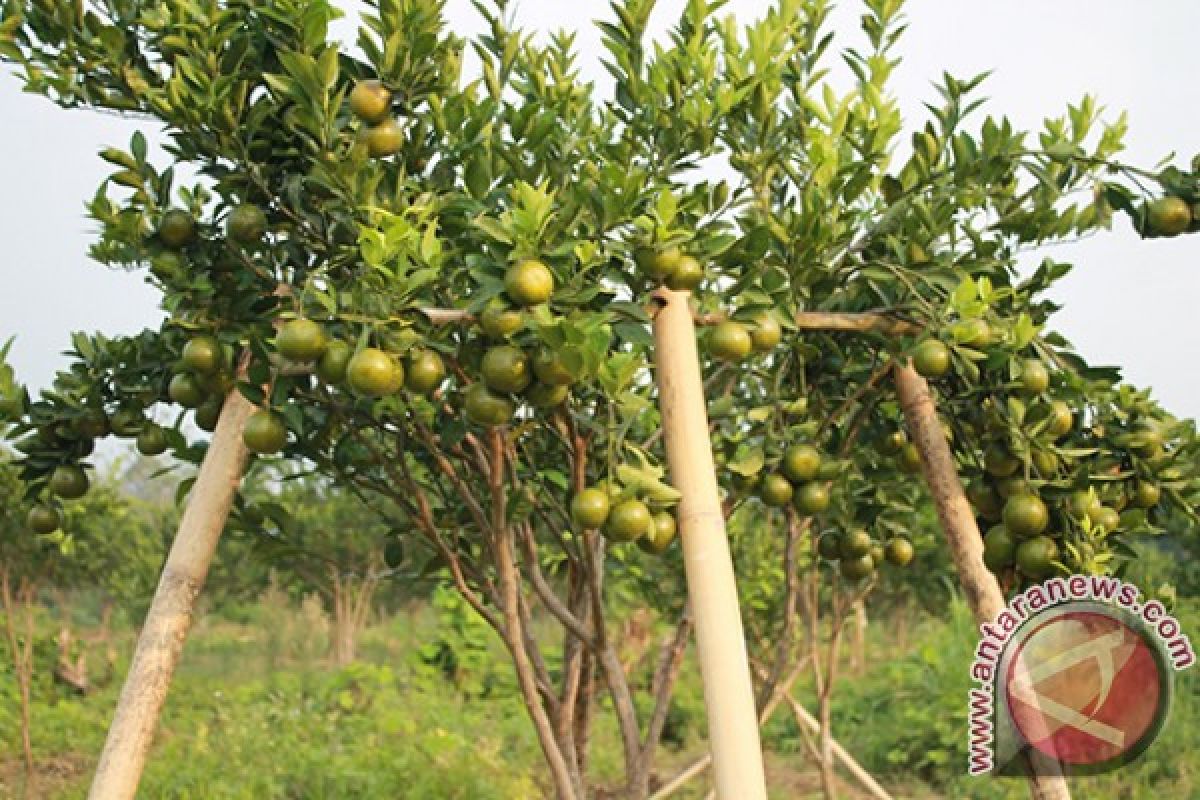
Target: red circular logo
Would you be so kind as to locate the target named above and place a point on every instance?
(1084, 688)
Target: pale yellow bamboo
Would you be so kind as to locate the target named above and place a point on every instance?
(170, 615)
(720, 642)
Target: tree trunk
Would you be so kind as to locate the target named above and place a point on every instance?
(858, 656)
(343, 644)
(962, 533)
(352, 597)
(170, 615)
(720, 642)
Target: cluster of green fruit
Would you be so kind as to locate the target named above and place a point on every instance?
(858, 555)
(1031, 532)
(373, 372)
(733, 341)
(624, 519)
(507, 371)
(906, 454)
(368, 372)
(201, 382)
(798, 481)
(73, 441)
(67, 482)
(371, 102)
(670, 267)
(178, 233)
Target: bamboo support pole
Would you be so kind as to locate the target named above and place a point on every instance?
(962, 534)
(720, 642)
(170, 616)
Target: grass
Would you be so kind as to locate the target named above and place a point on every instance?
(256, 712)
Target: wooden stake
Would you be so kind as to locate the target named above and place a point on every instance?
(720, 642)
(962, 534)
(170, 615)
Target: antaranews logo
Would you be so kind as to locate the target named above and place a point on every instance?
(1078, 668)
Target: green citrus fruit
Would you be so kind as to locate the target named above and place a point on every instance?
(1168, 216)
(627, 521)
(208, 414)
(218, 384)
(425, 372)
(370, 101)
(1012, 485)
(1061, 419)
(857, 569)
(43, 519)
(999, 462)
(334, 361)
(1025, 515)
(529, 282)
(661, 534)
(801, 462)
(485, 407)
(544, 395)
(688, 275)
(776, 491)
(999, 548)
(1149, 442)
(499, 322)
(167, 267)
(550, 368)
(730, 341)
(506, 369)
(93, 425)
(855, 543)
(909, 459)
(931, 358)
(899, 551)
(877, 553)
(1036, 556)
(1035, 378)
(811, 498)
(1046, 463)
(1146, 495)
(1107, 518)
(385, 138)
(658, 264)
(265, 432)
(766, 333)
(373, 373)
(152, 441)
(203, 355)
(185, 390)
(589, 508)
(177, 229)
(69, 481)
(891, 442)
(127, 422)
(985, 500)
(973, 332)
(1085, 504)
(247, 224)
(301, 340)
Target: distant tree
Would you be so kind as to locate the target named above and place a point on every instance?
(331, 541)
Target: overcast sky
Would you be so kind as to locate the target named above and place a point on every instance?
(1129, 302)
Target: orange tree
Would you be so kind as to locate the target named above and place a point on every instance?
(438, 290)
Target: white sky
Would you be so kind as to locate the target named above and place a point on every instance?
(1128, 302)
